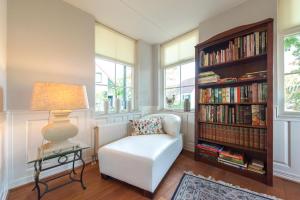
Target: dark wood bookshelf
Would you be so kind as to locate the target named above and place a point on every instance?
(235, 69)
(235, 125)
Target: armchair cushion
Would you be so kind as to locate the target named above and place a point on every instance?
(170, 123)
(146, 126)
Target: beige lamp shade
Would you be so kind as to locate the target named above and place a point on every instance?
(58, 96)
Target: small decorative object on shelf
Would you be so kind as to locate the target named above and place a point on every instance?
(233, 116)
(170, 101)
(105, 106)
(118, 105)
(129, 105)
(187, 105)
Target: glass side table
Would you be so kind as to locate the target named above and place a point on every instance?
(63, 157)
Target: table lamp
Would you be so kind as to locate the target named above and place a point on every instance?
(59, 99)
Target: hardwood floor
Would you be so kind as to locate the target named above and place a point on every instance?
(98, 188)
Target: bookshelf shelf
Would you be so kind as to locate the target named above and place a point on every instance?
(249, 174)
(228, 84)
(234, 146)
(235, 125)
(234, 63)
(250, 49)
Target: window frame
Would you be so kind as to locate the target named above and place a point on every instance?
(164, 106)
(280, 111)
(133, 99)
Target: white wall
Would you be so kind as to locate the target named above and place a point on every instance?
(3, 161)
(47, 41)
(145, 75)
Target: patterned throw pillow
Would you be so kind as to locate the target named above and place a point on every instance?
(146, 126)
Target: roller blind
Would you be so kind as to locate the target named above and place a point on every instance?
(114, 45)
(180, 49)
(288, 14)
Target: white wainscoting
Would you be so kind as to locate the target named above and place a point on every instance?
(3, 157)
(286, 149)
(24, 137)
(187, 128)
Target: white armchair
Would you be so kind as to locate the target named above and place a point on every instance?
(143, 160)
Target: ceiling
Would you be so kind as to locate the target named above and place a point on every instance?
(153, 21)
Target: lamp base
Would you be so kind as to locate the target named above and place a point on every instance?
(56, 147)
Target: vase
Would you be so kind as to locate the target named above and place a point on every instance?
(129, 106)
(117, 105)
(187, 105)
(105, 106)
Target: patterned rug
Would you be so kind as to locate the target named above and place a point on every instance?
(193, 187)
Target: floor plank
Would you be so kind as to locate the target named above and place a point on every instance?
(98, 188)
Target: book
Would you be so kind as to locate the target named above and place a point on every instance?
(255, 115)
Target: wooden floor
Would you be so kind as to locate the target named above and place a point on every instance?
(98, 188)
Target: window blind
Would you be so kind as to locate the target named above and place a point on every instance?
(288, 14)
(113, 45)
(180, 49)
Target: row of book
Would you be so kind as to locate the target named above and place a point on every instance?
(229, 157)
(254, 93)
(246, 137)
(238, 48)
(242, 114)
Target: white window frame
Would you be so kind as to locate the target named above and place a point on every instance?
(134, 99)
(164, 85)
(280, 111)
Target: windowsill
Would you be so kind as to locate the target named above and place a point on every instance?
(288, 117)
(176, 110)
(115, 114)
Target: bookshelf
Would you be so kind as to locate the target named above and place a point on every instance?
(235, 104)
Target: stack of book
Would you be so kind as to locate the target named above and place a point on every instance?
(210, 151)
(255, 93)
(208, 77)
(256, 166)
(238, 48)
(233, 159)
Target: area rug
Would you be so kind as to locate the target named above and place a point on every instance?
(192, 187)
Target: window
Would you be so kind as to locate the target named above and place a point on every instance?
(179, 70)
(115, 56)
(180, 85)
(113, 80)
(292, 73)
(289, 57)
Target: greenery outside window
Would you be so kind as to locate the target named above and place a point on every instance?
(180, 84)
(292, 73)
(113, 80)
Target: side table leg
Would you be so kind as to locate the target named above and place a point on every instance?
(73, 169)
(81, 173)
(36, 179)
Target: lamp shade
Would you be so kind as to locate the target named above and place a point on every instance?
(58, 96)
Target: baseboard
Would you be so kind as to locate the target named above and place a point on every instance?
(286, 175)
(4, 194)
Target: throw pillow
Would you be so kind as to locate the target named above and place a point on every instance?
(146, 126)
